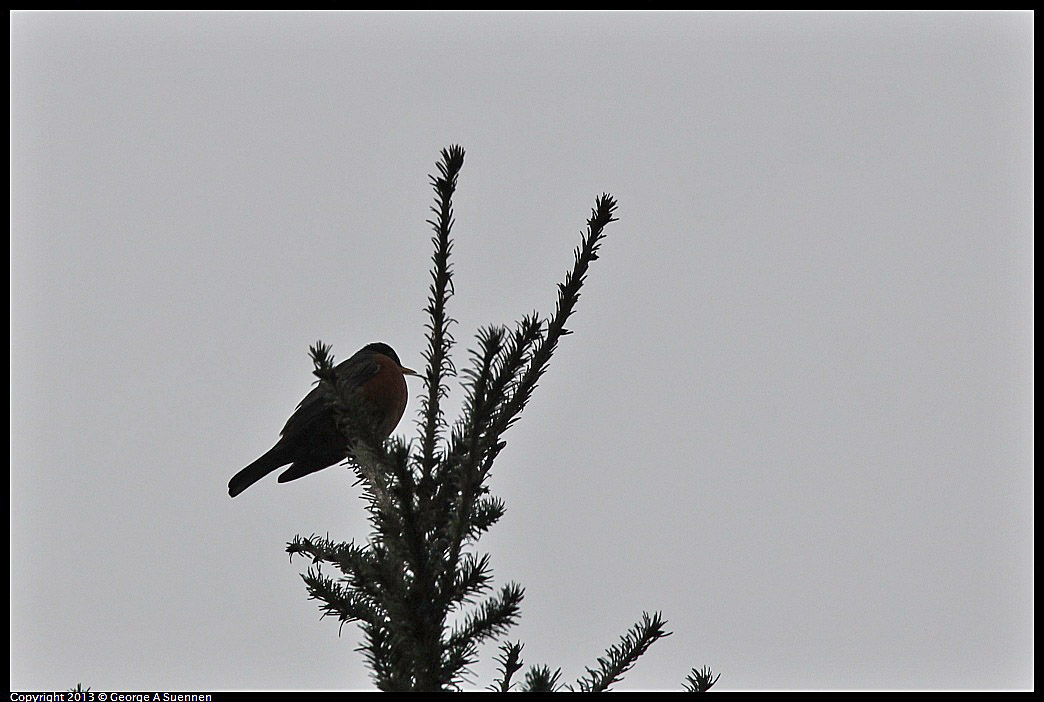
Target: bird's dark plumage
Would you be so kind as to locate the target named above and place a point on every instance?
(310, 441)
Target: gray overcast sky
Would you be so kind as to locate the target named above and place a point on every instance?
(795, 417)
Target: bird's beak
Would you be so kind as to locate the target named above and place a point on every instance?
(408, 371)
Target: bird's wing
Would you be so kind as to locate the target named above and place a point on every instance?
(353, 372)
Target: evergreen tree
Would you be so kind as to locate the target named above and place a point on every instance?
(429, 503)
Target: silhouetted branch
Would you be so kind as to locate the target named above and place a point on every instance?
(700, 680)
(440, 340)
(619, 658)
(510, 660)
(541, 679)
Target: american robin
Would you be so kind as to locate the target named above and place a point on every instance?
(310, 441)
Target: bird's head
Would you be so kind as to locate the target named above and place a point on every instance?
(385, 350)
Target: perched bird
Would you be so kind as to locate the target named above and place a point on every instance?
(310, 441)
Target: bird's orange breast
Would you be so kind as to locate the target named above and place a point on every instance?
(388, 394)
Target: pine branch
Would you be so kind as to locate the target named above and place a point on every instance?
(700, 680)
(339, 600)
(508, 372)
(512, 360)
(491, 619)
(440, 340)
(345, 555)
(504, 357)
(510, 660)
(462, 511)
(541, 679)
(404, 490)
(568, 295)
(511, 386)
(473, 578)
(456, 483)
(620, 657)
(366, 580)
(386, 658)
(531, 348)
(487, 511)
(477, 378)
(356, 563)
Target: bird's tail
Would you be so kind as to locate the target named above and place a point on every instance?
(273, 459)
